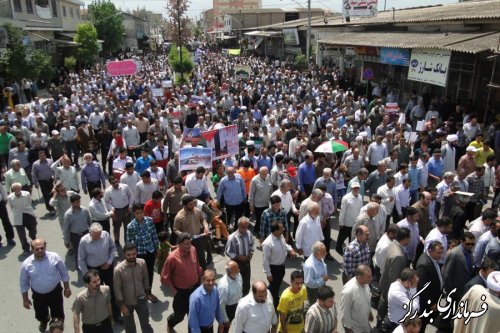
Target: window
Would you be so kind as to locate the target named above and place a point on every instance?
(54, 8)
(29, 6)
(78, 12)
(71, 12)
(64, 11)
(17, 6)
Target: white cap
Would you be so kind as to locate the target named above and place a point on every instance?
(355, 184)
(493, 281)
(250, 143)
(55, 132)
(471, 149)
(452, 138)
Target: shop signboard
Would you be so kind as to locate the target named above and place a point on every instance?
(353, 8)
(291, 36)
(429, 66)
(394, 56)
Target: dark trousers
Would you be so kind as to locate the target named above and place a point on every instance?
(141, 307)
(52, 301)
(388, 326)
(344, 233)
(7, 226)
(327, 231)
(29, 222)
(72, 151)
(312, 295)
(201, 247)
(258, 216)
(180, 305)
(93, 185)
(159, 226)
(236, 211)
(150, 264)
(278, 273)
(230, 311)
(102, 327)
(105, 225)
(473, 210)
(46, 186)
(173, 236)
(245, 271)
(121, 217)
(208, 329)
(308, 189)
(75, 242)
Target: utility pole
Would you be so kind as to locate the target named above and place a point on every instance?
(308, 46)
(180, 38)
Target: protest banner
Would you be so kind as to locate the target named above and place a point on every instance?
(192, 135)
(121, 68)
(223, 141)
(190, 158)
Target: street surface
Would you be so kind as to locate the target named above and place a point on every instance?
(16, 319)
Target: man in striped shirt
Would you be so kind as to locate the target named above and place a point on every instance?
(322, 315)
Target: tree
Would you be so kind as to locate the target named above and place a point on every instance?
(179, 25)
(108, 22)
(86, 36)
(174, 59)
(20, 61)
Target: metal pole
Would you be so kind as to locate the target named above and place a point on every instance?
(308, 51)
(180, 38)
(489, 89)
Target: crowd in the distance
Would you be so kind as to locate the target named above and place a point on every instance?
(414, 193)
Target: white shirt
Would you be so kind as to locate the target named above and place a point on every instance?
(274, 251)
(478, 228)
(119, 164)
(20, 205)
(131, 181)
(377, 152)
(402, 198)
(253, 317)
(195, 186)
(436, 235)
(308, 232)
(380, 255)
(355, 306)
(98, 210)
(397, 296)
(68, 177)
(387, 193)
(118, 198)
(230, 292)
(286, 201)
(424, 172)
(349, 209)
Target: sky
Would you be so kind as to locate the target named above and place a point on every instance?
(197, 6)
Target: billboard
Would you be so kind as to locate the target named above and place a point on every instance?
(429, 66)
(393, 56)
(192, 158)
(291, 36)
(353, 8)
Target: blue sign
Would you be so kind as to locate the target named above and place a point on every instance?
(393, 56)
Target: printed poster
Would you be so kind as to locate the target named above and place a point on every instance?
(191, 158)
(223, 141)
(353, 8)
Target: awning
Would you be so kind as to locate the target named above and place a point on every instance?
(68, 34)
(264, 33)
(226, 37)
(39, 37)
(66, 42)
(42, 29)
(463, 42)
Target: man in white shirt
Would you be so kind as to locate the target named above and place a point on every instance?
(402, 193)
(380, 256)
(443, 228)
(196, 184)
(275, 250)
(130, 177)
(401, 292)
(255, 312)
(120, 200)
(355, 302)
(309, 230)
(377, 151)
(388, 196)
(349, 210)
(230, 288)
(482, 224)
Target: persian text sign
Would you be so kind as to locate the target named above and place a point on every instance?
(429, 66)
(121, 68)
(352, 8)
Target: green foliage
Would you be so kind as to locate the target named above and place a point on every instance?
(70, 62)
(86, 36)
(20, 61)
(108, 22)
(186, 66)
(300, 62)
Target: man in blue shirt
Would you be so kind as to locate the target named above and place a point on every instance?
(232, 189)
(264, 159)
(435, 166)
(307, 175)
(43, 272)
(315, 272)
(329, 182)
(204, 306)
(144, 161)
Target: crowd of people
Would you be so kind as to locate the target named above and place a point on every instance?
(416, 210)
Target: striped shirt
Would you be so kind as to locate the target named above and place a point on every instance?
(320, 319)
(239, 244)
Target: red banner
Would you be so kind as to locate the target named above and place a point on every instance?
(121, 68)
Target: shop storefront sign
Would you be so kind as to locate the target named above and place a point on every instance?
(429, 66)
(291, 37)
(353, 8)
(393, 56)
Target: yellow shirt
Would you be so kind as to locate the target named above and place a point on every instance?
(482, 155)
(292, 305)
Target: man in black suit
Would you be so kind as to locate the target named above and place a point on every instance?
(487, 266)
(429, 271)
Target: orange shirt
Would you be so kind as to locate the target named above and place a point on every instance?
(247, 177)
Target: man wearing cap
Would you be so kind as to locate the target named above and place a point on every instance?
(476, 299)
(468, 161)
(448, 153)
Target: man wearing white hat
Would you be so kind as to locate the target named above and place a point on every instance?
(482, 301)
(468, 161)
(448, 153)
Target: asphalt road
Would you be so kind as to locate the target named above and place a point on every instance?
(16, 319)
